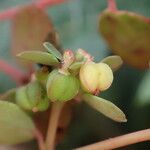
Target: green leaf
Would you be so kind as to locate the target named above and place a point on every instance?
(114, 62)
(51, 49)
(15, 125)
(128, 36)
(105, 107)
(75, 67)
(39, 57)
(9, 95)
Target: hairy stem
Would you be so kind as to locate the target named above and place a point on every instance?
(124, 140)
(40, 139)
(112, 5)
(53, 124)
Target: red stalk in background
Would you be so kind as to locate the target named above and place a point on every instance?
(42, 4)
(112, 5)
(18, 76)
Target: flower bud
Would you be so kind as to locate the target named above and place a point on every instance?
(95, 77)
(61, 87)
(32, 97)
(68, 59)
(82, 55)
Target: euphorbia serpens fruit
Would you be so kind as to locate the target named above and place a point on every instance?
(95, 77)
(105, 76)
(61, 87)
(32, 97)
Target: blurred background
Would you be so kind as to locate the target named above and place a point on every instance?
(77, 24)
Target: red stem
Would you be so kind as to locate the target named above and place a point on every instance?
(124, 140)
(45, 3)
(112, 5)
(40, 140)
(13, 72)
(7, 14)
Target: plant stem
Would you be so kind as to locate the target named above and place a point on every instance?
(7, 14)
(124, 140)
(45, 3)
(40, 140)
(53, 124)
(13, 72)
(112, 5)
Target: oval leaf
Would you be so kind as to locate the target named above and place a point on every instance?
(39, 57)
(15, 126)
(51, 49)
(128, 35)
(105, 107)
(75, 67)
(31, 27)
(114, 62)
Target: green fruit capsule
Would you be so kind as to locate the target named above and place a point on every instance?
(22, 99)
(32, 97)
(61, 87)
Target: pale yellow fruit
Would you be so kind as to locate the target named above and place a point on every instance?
(105, 77)
(95, 77)
(88, 77)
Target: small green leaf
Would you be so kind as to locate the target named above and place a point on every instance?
(15, 126)
(9, 95)
(114, 62)
(75, 67)
(51, 49)
(39, 57)
(42, 74)
(105, 107)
